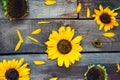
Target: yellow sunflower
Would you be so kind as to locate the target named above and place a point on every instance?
(61, 46)
(14, 70)
(105, 18)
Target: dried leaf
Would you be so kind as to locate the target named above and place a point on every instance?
(54, 78)
(18, 46)
(44, 22)
(78, 9)
(33, 39)
(20, 36)
(39, 62)
(88, 12)
(50, 2)
(37, 31)
(109, 34)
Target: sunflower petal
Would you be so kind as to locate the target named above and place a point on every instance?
(101, 26)
(53, 78)
(78, 9)
(67, 62)
(20, 63)
(39, 62)
(77, 39)
(37, 31)
(109, 34)
(50, 2)
(101, 8)
(88, 12)
(60, 61)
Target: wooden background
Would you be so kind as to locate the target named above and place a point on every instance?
(62, 13)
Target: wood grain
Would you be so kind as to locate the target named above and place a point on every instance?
(86, 28)
(75, 72)
(37, 9)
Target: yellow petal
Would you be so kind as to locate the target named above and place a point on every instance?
(37, 31)
(44, 22)
(19, 35)
(50, 2)
(78, 9)
(118, 67)
(18, 46)
(109, 34)
(77, 39)
(60, 61)
(20, 63)
(88, 12)
(101, 8)
(33, 39)
(53, 78)
(101, 26)
(39, 62)
(66, 62)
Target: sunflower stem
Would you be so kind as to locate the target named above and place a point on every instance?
(116, 9)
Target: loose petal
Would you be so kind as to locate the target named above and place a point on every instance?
(109, 34)
(18, 46)
(54, 78)
(33, 39)
(19, 35)
(39, 62)
(88, 12)
(37, 31)
(78, 9)
(44, 22)
(118, 67)
(50, 2)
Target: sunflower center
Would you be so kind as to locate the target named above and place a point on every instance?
(64, 46)
(105, 18)
(12, 74)
(95, 73)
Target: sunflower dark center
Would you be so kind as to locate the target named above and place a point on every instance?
(95, 73)
(64, 46)
(12, 74)
(105, 18)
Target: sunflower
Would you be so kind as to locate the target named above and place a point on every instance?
(14, 70)
(105, 18)
(62, 47)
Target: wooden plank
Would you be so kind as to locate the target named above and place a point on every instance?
(37, 9)
(75, 72)
(92, 4)
(86, 28)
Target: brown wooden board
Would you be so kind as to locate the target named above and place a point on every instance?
(75, 72)
(86, 28)
(94, 4)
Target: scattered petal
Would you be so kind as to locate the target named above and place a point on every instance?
(88, 12)
(109, 34)
(54, 78)
(50, 2)
(33, 39)
(18, 46)
(39, 62)
(118, 67)
(44, 22)
(19, 35)
(78, 9)
(37, 31)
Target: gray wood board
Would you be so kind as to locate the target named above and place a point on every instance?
(86, 28)
(37, 9)
(75, 72)
(94, 4)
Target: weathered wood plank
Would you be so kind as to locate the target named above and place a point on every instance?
(75, 72)
(86, 28)
(37, 9)
(92, 4)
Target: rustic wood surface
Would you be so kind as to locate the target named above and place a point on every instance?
(62, 13)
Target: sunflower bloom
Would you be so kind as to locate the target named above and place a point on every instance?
(14, 70)
(105, 18)
(62, 47)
